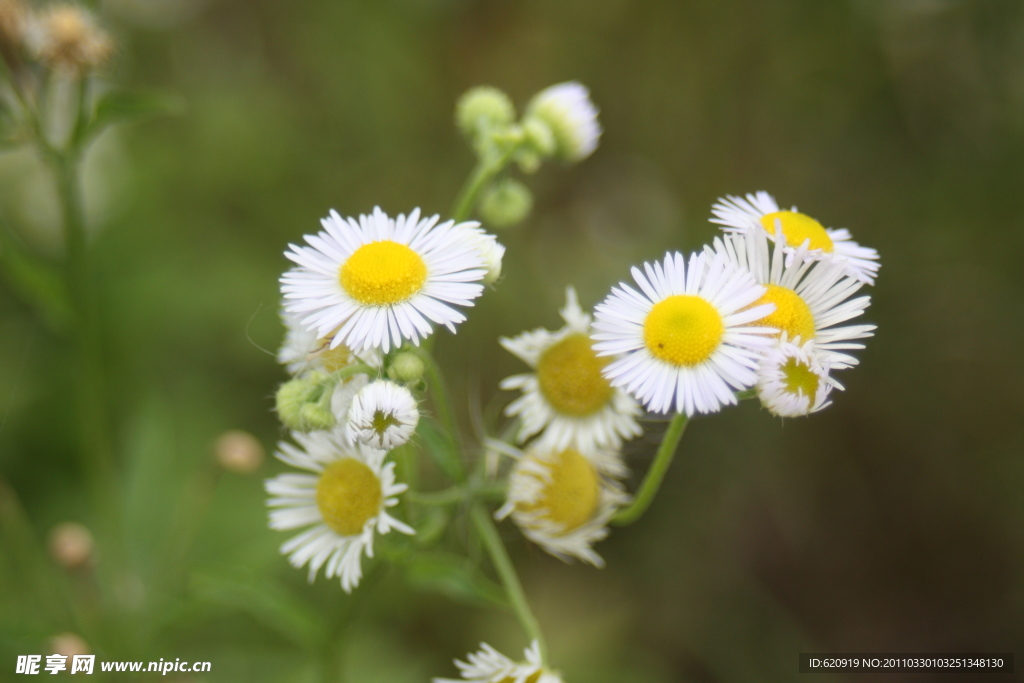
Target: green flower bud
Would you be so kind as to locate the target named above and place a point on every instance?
(298, 403)
(483, 108)
(506, 203)
(406, 367)
(314, 417)
(528, 161)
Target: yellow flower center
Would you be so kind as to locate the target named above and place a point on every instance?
(334, 359)
(569, 374)
(797, 227)
(383, 273)
(683, 330)
(571, 496)
(800, 379)
(348, 494)
(532, 679)
(791, 315)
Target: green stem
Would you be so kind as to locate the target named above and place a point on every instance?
(484, 172)
(439, 392)
(96, 449)
(655, 474)
(507, 573)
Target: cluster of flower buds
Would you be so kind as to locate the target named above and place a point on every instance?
(560, 123)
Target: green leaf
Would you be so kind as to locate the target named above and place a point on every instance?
(125, 106)
(454, 577)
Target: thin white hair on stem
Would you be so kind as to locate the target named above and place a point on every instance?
(249, 336)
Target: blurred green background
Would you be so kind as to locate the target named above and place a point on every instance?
(892, 522)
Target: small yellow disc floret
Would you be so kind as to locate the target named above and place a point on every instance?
(348, 494)
(383, 273)
(800, 379)
(570, 497)
(797, 227)
(569, 374)
(683, 330)
(334, 359)
(791, 315)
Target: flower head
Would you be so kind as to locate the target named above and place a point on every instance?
(686, 338)
(345, 499)
(792, 380)
(760, 213)
(490, 666)
(66, 36)
(567, 399)
(563, 499)
(572, 118)
(811, 298)
(375, 282)
(383, 415)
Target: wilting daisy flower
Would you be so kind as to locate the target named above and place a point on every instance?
(563, 500)
(303, 350)
(685, 337)
(567, 396)
(345, 500)
(66, 36)
(490, 666)
(567, 110)
(792, 381)
(811, 297)
(383, 415)
(373, 282)
(760, 212)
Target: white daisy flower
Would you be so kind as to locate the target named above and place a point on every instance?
(685, 337)
(383, 415)
(811, 297)
(374, 282)
(567, 397)
(793, 381)
(345, 500)
(562, 500)
(490, 666)
(303, 350)
(760, 212)
(567, 110)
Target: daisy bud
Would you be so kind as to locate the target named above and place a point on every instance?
(67, 37)
(571, 117)
(71, 545)
(483, 108)
(406, 367)
(506, 203)
(298, 404)
(239, 452)
(383, 415)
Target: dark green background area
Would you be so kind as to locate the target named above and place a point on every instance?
(891, 522)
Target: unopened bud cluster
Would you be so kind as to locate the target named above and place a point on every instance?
(560, 123)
